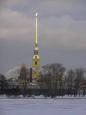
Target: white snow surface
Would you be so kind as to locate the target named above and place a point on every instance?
(59, 106)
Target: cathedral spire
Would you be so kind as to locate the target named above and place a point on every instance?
(36, 57)
(36, 37)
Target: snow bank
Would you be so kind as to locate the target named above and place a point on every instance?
(42, 107)
(42, 97)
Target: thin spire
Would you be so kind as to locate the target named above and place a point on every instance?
(36, 39)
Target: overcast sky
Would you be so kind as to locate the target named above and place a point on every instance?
(61, 32)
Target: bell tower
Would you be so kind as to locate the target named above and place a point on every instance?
(36, 57)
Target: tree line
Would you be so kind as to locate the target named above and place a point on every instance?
(54, 80)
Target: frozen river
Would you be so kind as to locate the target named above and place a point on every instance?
(42, 106)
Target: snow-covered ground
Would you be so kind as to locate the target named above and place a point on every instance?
(59, 106)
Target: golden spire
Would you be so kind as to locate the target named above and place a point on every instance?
(36, 57)
(36, 38)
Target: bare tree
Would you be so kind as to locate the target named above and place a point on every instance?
(55, 72)
(23, 78)
(70, 81)
(79, 74)
(3, 84)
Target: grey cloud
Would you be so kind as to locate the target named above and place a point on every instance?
(75, 8)
(61, 30)
(64, 32)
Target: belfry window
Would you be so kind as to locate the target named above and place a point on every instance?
(36, 57)
(35, 62)
(35, 52)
